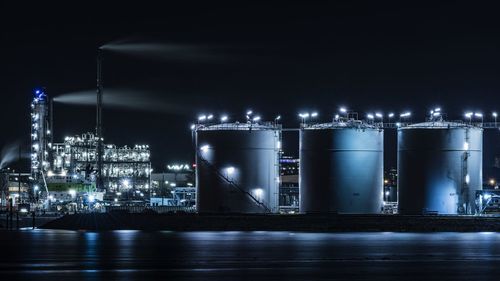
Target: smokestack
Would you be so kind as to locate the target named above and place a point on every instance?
(99, 182)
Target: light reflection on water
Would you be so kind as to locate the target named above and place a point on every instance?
(260, 254)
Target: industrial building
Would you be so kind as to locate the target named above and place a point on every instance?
(59, 169)
(289, 184)
(41, 133)
(175, 187)
(238, 167)
(123, 167)
(341, 167)
(439, 167)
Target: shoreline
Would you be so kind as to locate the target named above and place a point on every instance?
(301, 223)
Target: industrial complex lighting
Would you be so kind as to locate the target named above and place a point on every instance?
(126, 183)
(336, 117)
(249, 112)
(494, 114)
(466, 146)
(343, 109)
(370, 116)
(224, 118)
(390, 115)
(256, 118)
(230, 170)
(204, 148)
(209, 117)
(258, 192)
(314, 114)
(435, 114)
(202, 118)
(405, 114)
(193, 126)
(379, 115)
(479, 115)
(469, 114)
(277, 117)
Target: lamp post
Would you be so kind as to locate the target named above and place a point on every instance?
(479, 115)
(344, 111)
(304, 116)
(469, 115)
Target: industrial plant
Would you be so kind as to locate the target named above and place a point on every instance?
(240, 167)
(341, 166)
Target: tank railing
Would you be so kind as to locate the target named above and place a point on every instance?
(487, 203)
(232, 183)
(342, 123)
(244, 126)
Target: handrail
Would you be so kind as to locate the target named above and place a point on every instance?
(216, 171)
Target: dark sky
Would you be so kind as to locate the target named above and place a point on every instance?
(277, 58)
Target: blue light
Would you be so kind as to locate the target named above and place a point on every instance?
(39, 93)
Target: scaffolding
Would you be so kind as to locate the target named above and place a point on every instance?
(123, 167)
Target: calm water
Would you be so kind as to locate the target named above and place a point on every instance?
(135, 255)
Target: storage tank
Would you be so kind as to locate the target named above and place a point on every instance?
(341, 168)
(237, 168)
(439, 168)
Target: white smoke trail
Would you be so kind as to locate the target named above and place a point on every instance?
(126, 99)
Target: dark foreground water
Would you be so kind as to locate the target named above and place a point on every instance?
(136, 255)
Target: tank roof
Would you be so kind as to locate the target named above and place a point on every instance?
(239, 126)
(440, 125)
(350, 124)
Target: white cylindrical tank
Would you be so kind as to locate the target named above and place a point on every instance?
(238, 168)
(439, 168)
(341, 168)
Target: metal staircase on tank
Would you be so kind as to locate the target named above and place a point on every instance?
(465, 204)
(233, 184)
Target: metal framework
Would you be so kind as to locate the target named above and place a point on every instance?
(41, 134)
(122, 167)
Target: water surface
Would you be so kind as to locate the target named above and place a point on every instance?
(136, 255)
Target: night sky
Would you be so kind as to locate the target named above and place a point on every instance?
(278, 58)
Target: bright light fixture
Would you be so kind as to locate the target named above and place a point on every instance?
(230, 170)
(204, 148)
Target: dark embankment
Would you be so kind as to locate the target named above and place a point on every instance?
(309, 223)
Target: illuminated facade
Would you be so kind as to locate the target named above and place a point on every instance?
(124, 167)
(289, 184)
(41, 134)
